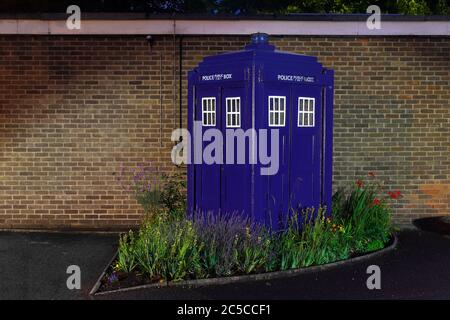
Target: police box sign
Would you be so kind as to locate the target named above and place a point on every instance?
(295, 78)
(217, 77)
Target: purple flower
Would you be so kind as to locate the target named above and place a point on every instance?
(113, 278)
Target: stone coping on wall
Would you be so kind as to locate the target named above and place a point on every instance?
(302, 24)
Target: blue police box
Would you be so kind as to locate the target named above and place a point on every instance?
(281, 106)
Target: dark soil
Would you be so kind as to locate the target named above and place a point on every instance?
(124, 280)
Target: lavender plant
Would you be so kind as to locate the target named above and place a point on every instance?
(232, 244)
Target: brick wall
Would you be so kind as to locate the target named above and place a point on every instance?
(73, 109)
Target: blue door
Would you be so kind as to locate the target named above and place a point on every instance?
(236, 172)
(207, 176)
(306, 124)
(275, 115)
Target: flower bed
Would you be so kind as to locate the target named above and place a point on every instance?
(170, 247)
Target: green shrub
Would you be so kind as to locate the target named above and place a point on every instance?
(208, 245)
(167, 249)
(365, 211)
(252, 252)
(168, 196)
(173, 194)
(156, 193)
(311, 239)
(126, 258)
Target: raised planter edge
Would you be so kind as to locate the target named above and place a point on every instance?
(241, 278)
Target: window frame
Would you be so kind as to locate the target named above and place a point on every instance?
(231, 112)
(304, 114)
(213, 112)
(279, 112)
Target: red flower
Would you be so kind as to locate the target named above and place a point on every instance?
(376, 202)
(359, 183)
(371, 174)
(394, 195)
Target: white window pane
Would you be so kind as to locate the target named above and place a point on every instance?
(232, 112)
(306, 112)
(277, 111)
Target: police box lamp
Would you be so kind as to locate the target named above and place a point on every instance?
(259, 40)
(263, 126)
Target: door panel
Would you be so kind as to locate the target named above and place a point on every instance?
(207, 191)
(236, 189)
(275, 99)
(305, 147)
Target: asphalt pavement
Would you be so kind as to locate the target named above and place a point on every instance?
(34, 265)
